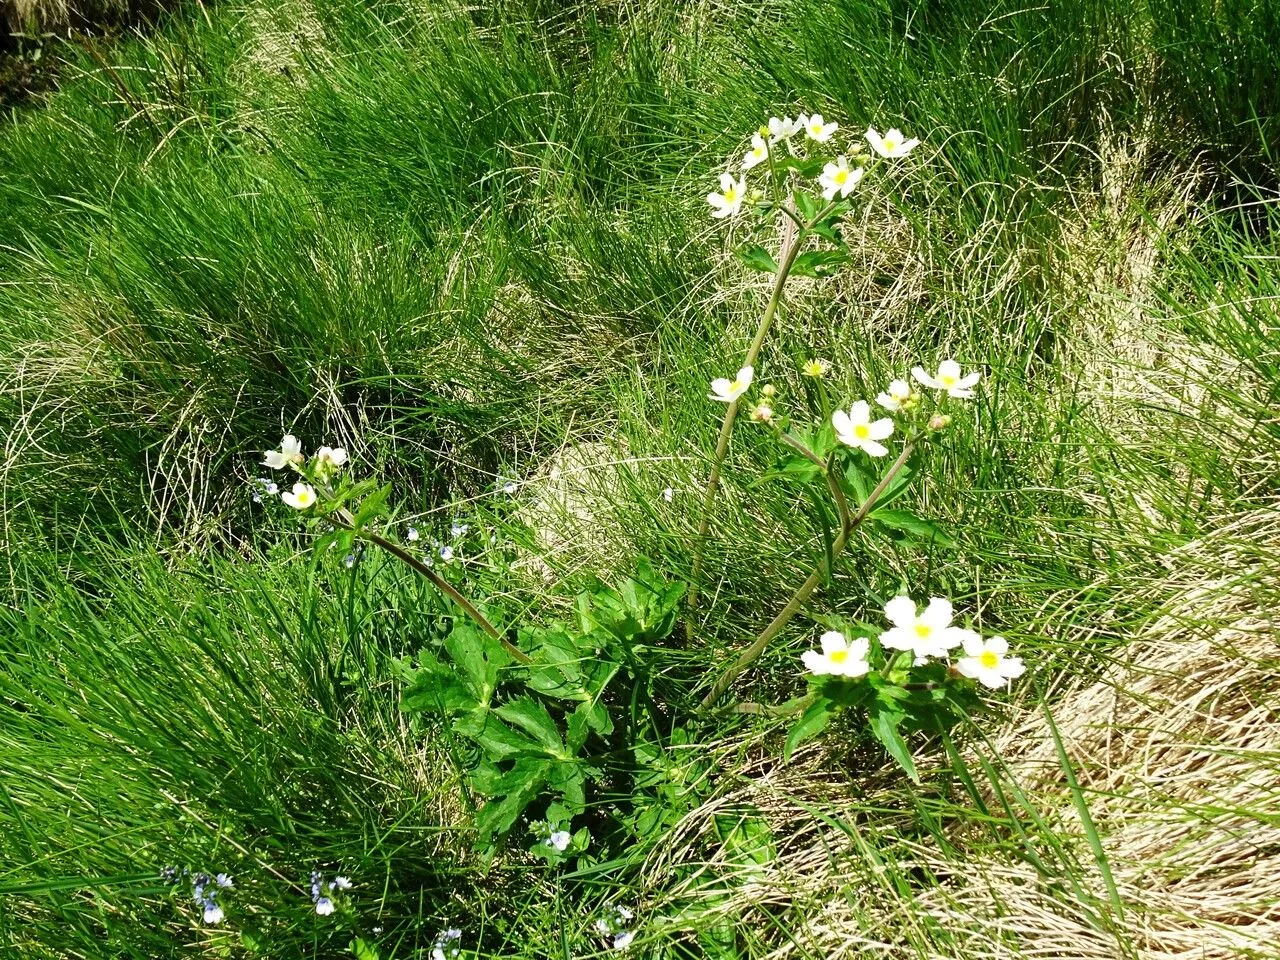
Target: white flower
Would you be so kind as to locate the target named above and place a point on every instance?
(758, 153)
(603, 927)
(729, 200)
(559, 840)
(324, 906)
(625, 912)
(224, 881)
(948, 379)
(856, 429)
(816, 129)
(302, 496)
(897, 397)
(783, 129)
(509, 487)
(341, 883)
(668, 494)
(412, 534)
(927, 634)
(985, 661)
(447, 941)
(458, 529)
(290, 452)
(727, 391)
(839, 178)
(212, 912)
(623, 940)
(446, 553)
(840, 656)
(892, 145)
(331, 457)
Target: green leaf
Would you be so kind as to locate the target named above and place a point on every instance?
(532, 717)
(436, 688)
(371, 506)
(794, 467)
(757, 258)
(479, 657)
(884, 725)
(517, 790)
(493, 736)
(363, 949)
(818, 263)
(811, 723)
(806, 205)
(908, 522)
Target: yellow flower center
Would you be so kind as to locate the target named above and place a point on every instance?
(759, 152)
(736, 386)
(861, 431)
(890, 144)
(839, 656)
(731, 196)
(947, 379)
(923, 630)
(989, 659)
(840, 176)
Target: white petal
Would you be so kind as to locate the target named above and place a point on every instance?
(909, 145)
(899, 638)
(948, 368)
(726, 182)
(876, 141)
(873, 449)
(925, 378)
(815, 662)
(990, 678)
(881, 428)
(901, 611)
(969, 667)
(291, 444)
(716, 200)
(859, 647)
(833, 641)
(888, 402)
(967, 382)
(746, 375)
(841, 422)
(1013, 667)
(851, 668)
(938, 613)
(999, 645)
(860, 412)
(973, 645)
(721, 386)
(951, 637)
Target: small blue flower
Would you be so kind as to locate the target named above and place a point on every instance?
(446, 553)
(411, 534)
(458, 529)
(349, 560)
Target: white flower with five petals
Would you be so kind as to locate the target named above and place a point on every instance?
(302, 496)
(839, 657)
(897, 398)
(839, 178)
(948, 378)
(926, 633)
(330, 458)
(783, 129)
(290, 452)
(892, 145)
(729, 200)
(987, 662)
(815, 129)
(758, 153)
(727, 391)
(856, 429)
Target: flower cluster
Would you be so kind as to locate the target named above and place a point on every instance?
(326, 462)
(838, 177)
(448, 944)
(324, 892)
(615, 925)
(204, 890)
(927, 634)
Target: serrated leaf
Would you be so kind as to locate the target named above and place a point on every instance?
(757, 258)
(522, 785)
(532, 717)
(494, 737)
(479, 657)
(811, 723)
(806, 205)
(434, 687)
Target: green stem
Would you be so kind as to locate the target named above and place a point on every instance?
(776, 626)
(791, 242)
(344, 519)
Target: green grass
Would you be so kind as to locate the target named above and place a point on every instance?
(471, 242)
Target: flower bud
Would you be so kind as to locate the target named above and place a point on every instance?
(939, 421)
(756, 195)
(768, 391)
(762, 413)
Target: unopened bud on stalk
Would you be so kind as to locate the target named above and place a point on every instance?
(762, 413)
(768, 390)
(939, 421)
(756, 195)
